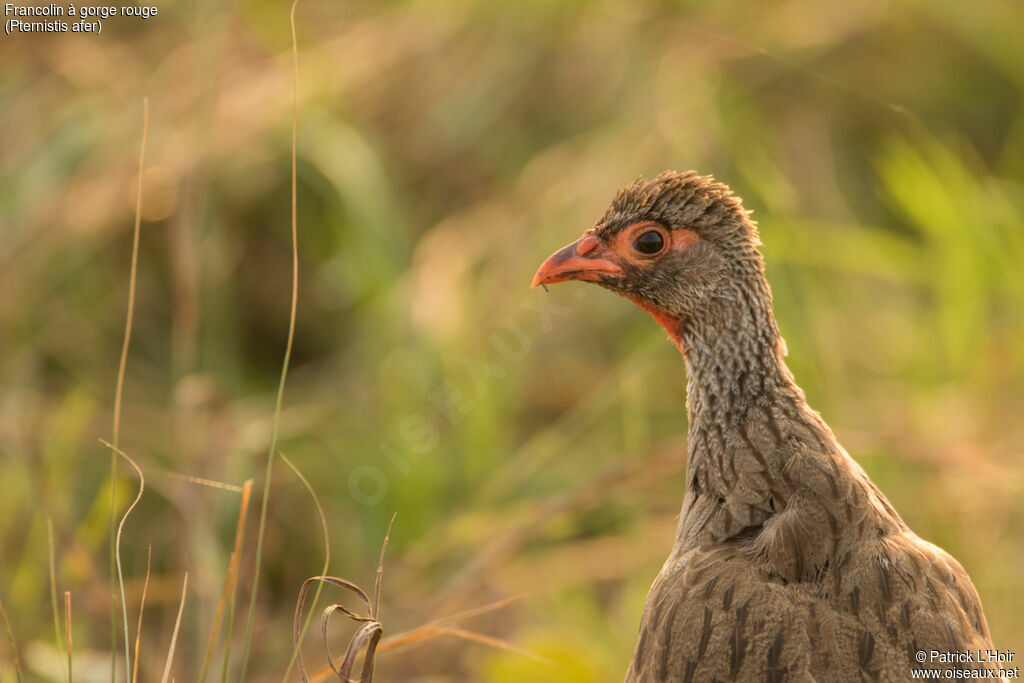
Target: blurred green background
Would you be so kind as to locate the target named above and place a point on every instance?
(531, 444)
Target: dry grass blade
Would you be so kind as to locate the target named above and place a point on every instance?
(117, 553)
(53, 593)
(324, 623)
(366, 638)
(375, 607)
(118, 392)
(212, 483)
(298, 635)
(444, 627)
(303, 592)
(464, 615)
(340, 583)
(236, 559)
(67, 631)
(142, 606)
(436, 627)
(600, 487)
(338, 607)
(287, 350)
(10, 638)
(354, 644)
(490, 641)
(174, 634)
(475, 637)
(228, 591)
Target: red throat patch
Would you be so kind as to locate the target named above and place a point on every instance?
(672, 325)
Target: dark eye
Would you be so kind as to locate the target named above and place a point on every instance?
(651, 242)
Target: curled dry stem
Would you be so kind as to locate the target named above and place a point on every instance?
(366, 637)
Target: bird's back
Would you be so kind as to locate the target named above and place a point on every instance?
(718, 612)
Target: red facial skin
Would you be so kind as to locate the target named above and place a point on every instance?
(593, 260)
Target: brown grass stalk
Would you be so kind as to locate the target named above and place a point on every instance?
(211, 483)
(236, 559)
(228, 593)
(174, 634)
(118, 392)
(142, 606)
(117, 553)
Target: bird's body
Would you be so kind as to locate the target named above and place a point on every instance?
(788, 563)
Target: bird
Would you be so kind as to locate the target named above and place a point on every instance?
(789, 563)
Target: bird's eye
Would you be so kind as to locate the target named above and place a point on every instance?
(650, 242)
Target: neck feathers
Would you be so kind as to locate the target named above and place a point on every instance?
(735, 356)
(759, 457)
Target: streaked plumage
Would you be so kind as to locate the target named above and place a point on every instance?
(788, 564)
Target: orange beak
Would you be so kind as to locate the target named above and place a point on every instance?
(585, 259)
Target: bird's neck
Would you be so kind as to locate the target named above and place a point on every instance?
(742, 402)
(755, 447)
(734, 360)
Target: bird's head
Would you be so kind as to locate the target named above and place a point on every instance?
(676, 245)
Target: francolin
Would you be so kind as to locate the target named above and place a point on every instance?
(788, 564)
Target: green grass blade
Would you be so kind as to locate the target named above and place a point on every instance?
(287, 353)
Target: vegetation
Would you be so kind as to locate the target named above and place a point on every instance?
(530, 445)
